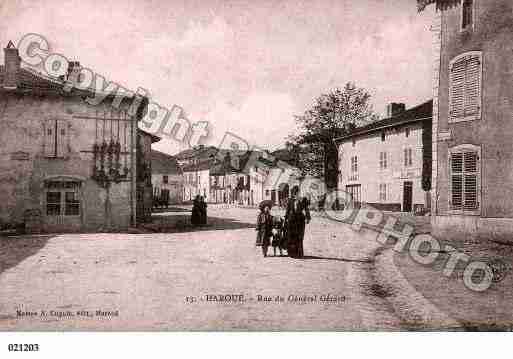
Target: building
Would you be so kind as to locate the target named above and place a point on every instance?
(196, 180)
(224, 179)
(144, 175)
(472, 120)
(166, 179)
(382, 164)
(65, 165)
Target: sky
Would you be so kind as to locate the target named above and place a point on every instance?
(244, 66)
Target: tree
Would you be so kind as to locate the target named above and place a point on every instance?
(333, 115)
(440, 4)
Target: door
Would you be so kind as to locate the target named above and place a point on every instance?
(407, 196)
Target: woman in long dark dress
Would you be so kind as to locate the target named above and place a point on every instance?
(203, 210)
(196, 212)
(296, 216)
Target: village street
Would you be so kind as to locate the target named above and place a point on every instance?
(182, 279)
(164, 281)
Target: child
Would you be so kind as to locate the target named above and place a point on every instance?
(278, 238)
(264, 229)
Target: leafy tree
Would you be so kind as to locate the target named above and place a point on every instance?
(333, 115)
(440, 4)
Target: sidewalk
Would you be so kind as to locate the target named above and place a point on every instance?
(426, 299)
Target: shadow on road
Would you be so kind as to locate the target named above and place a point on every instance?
(15, 249)
(182, 223)
(338, 259)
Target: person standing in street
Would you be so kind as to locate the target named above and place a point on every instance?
(296, 218)
(203, 211)
(264, 229)
(196, 212)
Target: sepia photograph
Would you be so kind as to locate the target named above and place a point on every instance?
(256, 166)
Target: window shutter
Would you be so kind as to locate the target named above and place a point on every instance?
(472, 86)
(457, 180)
(50, 130)
(62, 139)
(471, 188)
(457, 89)
(470, 192)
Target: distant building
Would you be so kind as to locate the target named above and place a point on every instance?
(382, 164)
(473, 118)
(196, 180)
(166, 179)
(67, 165)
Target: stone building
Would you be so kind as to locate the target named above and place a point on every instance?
(65, 165)
(472, 120)
(382, 164)
(166, 179)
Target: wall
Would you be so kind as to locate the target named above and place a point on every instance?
(174, 185)
(367, 148)
(23, 166)
(493, 35)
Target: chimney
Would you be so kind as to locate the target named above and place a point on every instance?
(12, 66)
(394, 109)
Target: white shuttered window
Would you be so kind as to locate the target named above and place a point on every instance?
(465, 180)
(465, 87)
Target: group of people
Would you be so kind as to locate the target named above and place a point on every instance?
(288, 234)
(199, 211)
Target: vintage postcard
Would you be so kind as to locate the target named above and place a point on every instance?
(274, 165)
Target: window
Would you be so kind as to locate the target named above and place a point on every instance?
(165, 179)
(467, 14)
(407, 132)
(354, 193)
(267, 193)
(382, 160)
(465, 87)
(353, 142)
(53, 203)
(382, 192)
(383, 137)
(354, 169)
(55, 142)
(408, 161)
(72, 204)
(465, 179)
(62, 198)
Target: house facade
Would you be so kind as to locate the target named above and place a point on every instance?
(196, 180)
(166, 179)
(65, 165)
(472, 125)
(382, 164)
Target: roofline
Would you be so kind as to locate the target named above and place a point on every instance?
(364, 132)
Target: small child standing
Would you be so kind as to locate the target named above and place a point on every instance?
(264, 229)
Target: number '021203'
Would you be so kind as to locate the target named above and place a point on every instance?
(23, 347)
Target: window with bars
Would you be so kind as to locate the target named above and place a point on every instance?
(408, 160)
(382, 192)
(382, 160)
(465, 87)
(465, 178)
(56, 140)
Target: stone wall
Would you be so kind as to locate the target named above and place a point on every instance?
(27, 119)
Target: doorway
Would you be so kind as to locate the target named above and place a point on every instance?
(407, 196)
